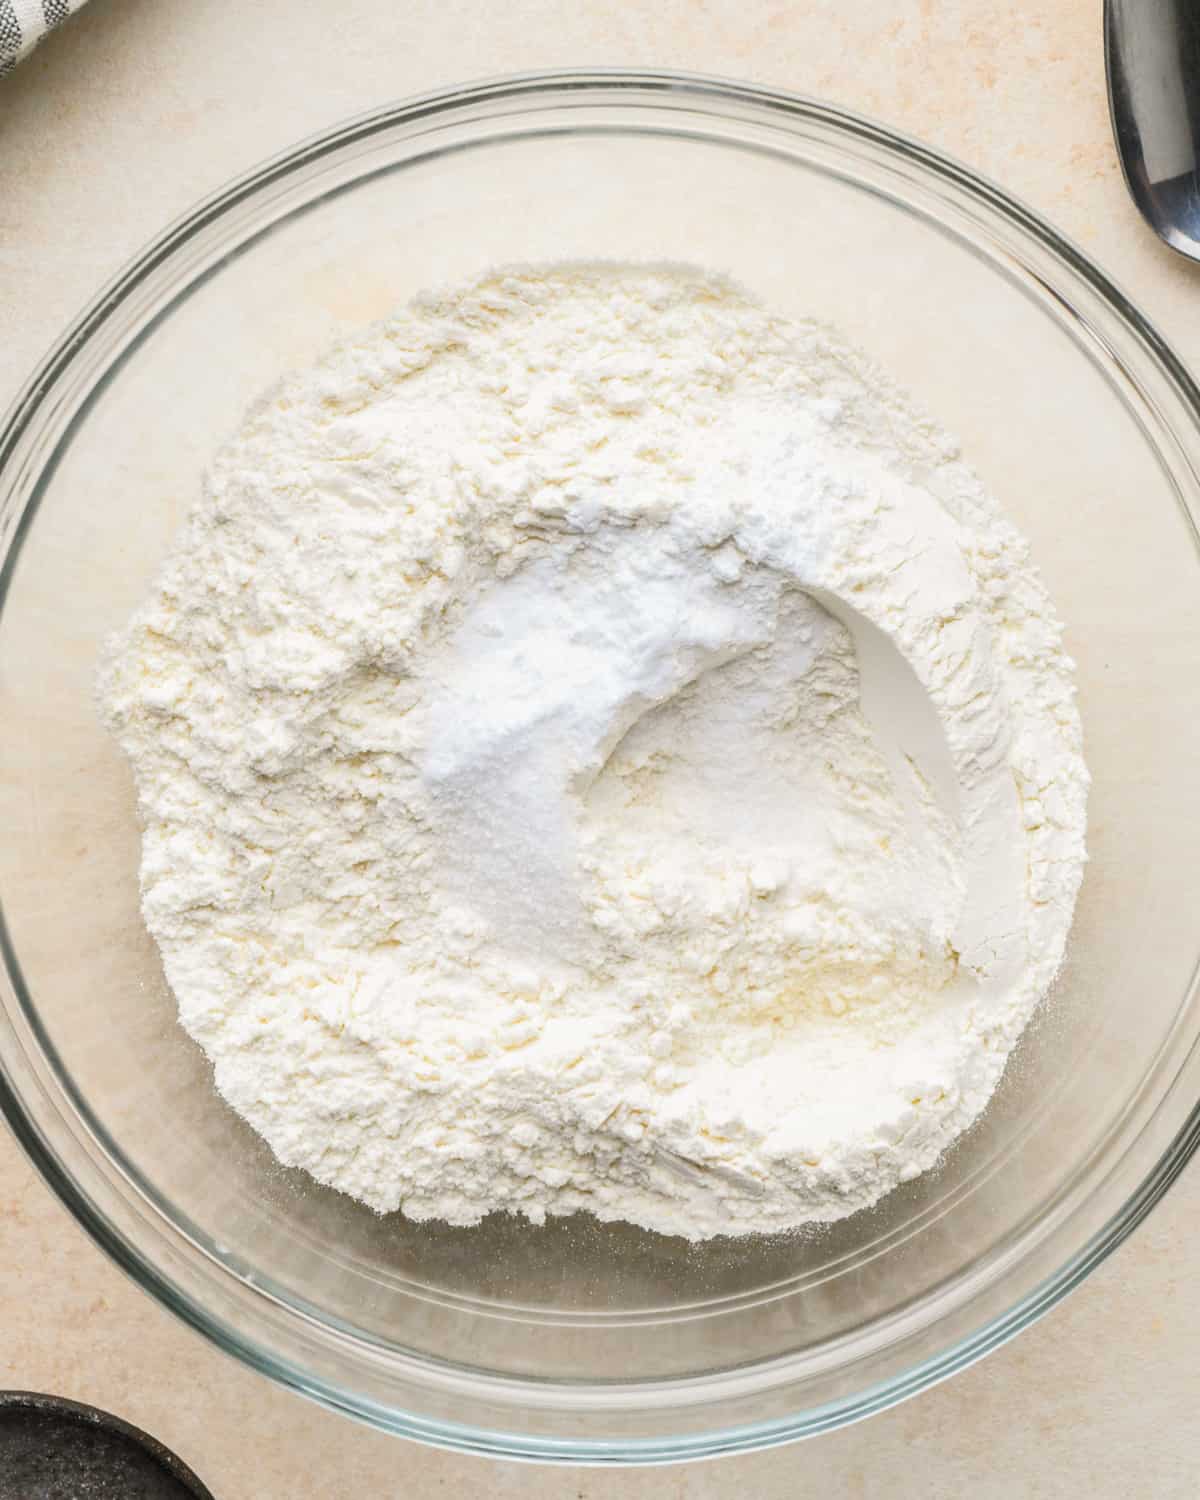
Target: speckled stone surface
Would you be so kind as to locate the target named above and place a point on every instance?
(120, 121)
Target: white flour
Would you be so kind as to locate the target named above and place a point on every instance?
(599, 749)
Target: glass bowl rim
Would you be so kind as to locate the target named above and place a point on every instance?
(712, 96)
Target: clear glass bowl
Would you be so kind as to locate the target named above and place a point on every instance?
(579, 1341)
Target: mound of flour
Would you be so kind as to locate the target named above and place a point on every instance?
(599, 749)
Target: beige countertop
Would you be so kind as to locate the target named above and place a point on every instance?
(118, 123)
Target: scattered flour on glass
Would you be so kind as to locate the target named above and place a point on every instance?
(600, 749)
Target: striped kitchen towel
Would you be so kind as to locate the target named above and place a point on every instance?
(23, 23)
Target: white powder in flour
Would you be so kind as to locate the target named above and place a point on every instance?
(599, 749)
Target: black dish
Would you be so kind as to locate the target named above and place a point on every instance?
(53, 1449)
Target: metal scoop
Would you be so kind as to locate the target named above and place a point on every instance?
(1152, 53)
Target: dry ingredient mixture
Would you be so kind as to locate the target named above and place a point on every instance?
(599, 748)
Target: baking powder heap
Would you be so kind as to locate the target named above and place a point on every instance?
(598, 748)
